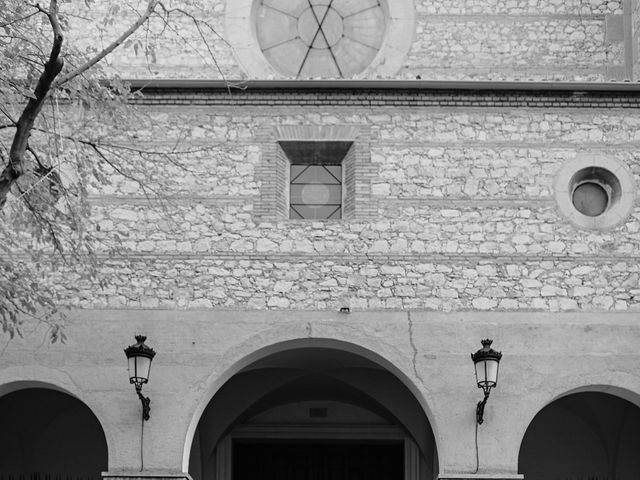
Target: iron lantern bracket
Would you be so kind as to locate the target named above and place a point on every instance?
(480, 408)
(146, 409)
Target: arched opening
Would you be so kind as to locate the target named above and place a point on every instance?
(313, 413)
(49, 433)
(586, 435)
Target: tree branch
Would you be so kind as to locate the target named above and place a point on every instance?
(20, 19)
(25, 123)
(141, 151)
(196, 23)
(8, 115)
(119, 170)
(35, 156)
(110, 48)
(47, 224)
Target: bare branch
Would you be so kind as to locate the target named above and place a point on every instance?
(16, 20)
(203, 37)
(140, 151)
(110, 48)
(26, 121)
(31, 61)
(113, 165)
(35, 156)
(14, 36)
(14, 123)
(44, 221)
(197, 21)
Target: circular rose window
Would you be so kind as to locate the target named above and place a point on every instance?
(319, 38)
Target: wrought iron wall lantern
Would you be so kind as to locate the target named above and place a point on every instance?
(139, 357)
(486, 362)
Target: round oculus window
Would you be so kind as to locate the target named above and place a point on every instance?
(590, 198)
(594, 190)
(320, 38)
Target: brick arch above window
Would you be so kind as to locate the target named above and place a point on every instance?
(273, 170)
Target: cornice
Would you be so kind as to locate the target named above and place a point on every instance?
(404, 85)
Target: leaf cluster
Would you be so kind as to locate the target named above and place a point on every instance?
(77, 144)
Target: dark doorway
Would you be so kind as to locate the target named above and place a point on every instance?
(313, 460)
(47, 434)
(357, 419)
(587, 435)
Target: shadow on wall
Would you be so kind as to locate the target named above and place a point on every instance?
(589, 435)
(47, 432)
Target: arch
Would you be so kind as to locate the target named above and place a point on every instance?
(590, 418)
(625, 387)
(36, 376)
(10, 387)
(241, 360)
(62, 434)
(621, 392)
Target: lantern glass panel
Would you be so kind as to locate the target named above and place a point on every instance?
(132, 367)
(492, 372)
(480, 373)
(143, 367)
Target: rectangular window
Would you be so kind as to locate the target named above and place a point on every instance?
(315, 180)
(315, 172)
(316, 191)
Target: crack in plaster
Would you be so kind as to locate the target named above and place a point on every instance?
(414, 358)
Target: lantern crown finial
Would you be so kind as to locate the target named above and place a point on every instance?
(486, 352)
(140, 349)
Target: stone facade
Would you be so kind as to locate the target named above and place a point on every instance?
(463, 216)
(470, 40)
(453, 232)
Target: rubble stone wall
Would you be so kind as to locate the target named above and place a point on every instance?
(465, 215)
(469, 40)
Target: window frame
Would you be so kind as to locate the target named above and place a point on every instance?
(292, 181)
(273, 170)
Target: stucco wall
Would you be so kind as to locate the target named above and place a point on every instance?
(543, 358)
